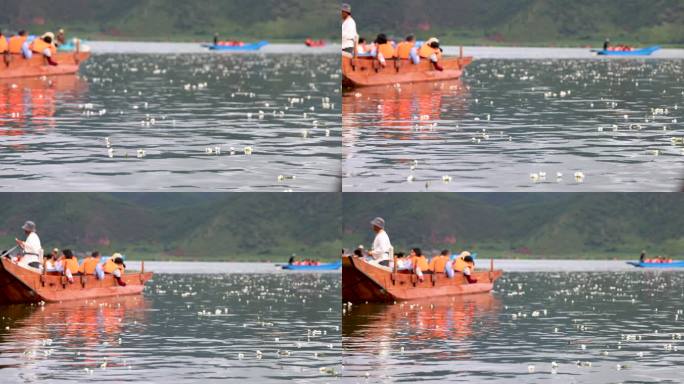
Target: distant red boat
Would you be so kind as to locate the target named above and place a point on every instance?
(13, 66)
(365, 282)
(315, 43)
(20, 285)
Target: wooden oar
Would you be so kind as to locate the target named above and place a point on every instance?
(8, 252)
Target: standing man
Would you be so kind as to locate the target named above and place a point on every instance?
(350, 38)
(381, 245)
(32, 249)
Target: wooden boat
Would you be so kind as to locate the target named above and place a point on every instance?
(320, 267)
(237, 47)
(365, 282)
(14, 66)
(367, 71)
(673, 264)
(21, 285)
(634, 52)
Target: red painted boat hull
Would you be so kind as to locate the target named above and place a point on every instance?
(364, 282)
(14, 66)
(367, 72)
(20, 285)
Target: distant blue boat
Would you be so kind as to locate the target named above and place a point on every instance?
(322, 267)
(674, 264)
(237, 48)
(70, 46)
(636, 52)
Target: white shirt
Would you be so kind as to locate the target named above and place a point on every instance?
(381, 246)
(32, 249)
(349, 35)
(32, 245)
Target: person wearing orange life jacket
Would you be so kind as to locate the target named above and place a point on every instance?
(45, 47)
(69, 265)
(91, 266)
(115, 266)
(431, 50)
(384, 50)
(465, 264)
(4, 44)
(407, 50)
(16, 42)
(439, 262)
(419, 262)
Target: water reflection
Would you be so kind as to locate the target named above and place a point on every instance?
(400, 112)
(582, 327)
(238, 327)
(542, 125)
(31, 103)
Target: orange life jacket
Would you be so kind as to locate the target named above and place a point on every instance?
(438, 263)
(387, 50)
(421, 262)
(15, 43)
(88, 266)
(4, 45)
(426, 51)
(460, 265)
(404, 49)
(71, 265)
(110, 266)
(39, 46)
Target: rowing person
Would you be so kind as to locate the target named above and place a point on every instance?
(350, 38)
(432, 51)
(91, 266)
(31, 247)
(4, 44)
(115, 266)
(382, 247)
(465, 264)
(419, 262)
(439, 262)
(407, 50)
(69, 264)
(17, 44)
(45, 46)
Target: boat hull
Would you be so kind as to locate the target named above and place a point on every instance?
(367, 72)
(322, 267)
(20, 285)
(15, 66)
(364, 282)
(674, 264)
(637, 52)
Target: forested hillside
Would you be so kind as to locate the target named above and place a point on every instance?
(186, 226)
(545, 22)
(535, 224)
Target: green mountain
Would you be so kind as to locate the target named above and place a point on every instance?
(542, 22)
(186, 226)
(523, 224)
(176, 20)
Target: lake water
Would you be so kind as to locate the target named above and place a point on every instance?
(525, 119)
(156, 117)
(213, 328)
(537, 327)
